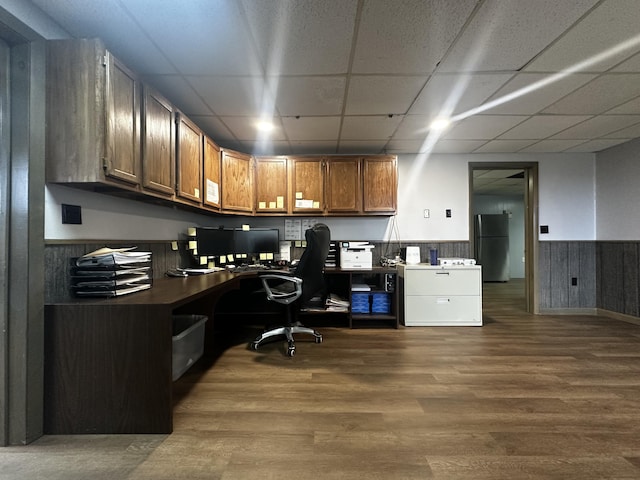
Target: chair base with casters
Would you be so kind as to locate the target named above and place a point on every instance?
(288, 331)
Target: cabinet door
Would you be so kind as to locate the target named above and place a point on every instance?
(237, 182)
(380, 184)
(189, 160)
(158, 145)
(122, 136)
(343, 186)
(211, 181)
(271, 185)
(307, 189)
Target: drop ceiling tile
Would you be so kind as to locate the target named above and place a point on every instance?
(542, 126)
(179, 92)
(310, 95)
(503, 146)
(112, 23)
(596, 145)
(599, 95)
(507, 35)
(448, 94)
(303, 37)
(369, 147)
(234, 95)
(199, 37)
(404, 146)
(625, 133)
(213, 127)
(611, 23)
(276, 147)
(244, 129)
(369, 127)
(630, 107)
(482, 127)
(380, 95)
(311, 128)
(632, 65)
(456, 146)
(528, 93)
(387, 28)
(551, 146)
(315, 147)
(598, 126)
(413, 127)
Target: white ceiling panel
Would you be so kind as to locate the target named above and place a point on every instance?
(601, 125)
(598, 96)
(482, 126)
(323, 128)
(456, 93)
(551, 146)
(266, 148)
(528, 93)
(542, 126)
(353, 63)
(611, 23)
(369, 127)
(379, 95)
(310, 95)
(427, 27)
(230, 96)
(302, 37)
(595, 145)
(507, 35)
(504, 146)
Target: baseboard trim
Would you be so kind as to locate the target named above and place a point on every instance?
(619, 316)
(569, 311)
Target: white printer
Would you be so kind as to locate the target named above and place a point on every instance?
(356, 255)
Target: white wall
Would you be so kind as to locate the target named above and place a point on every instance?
(437, 183)
(618, 192)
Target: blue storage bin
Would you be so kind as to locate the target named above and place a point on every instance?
(381, 303)
(360, 303)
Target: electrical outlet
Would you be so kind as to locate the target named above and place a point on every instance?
(427, 214)
(447, 213)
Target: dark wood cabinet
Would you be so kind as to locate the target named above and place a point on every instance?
(380, 184)
(272, 179)
(93, 116)
(158, 144)
(189, 160)
(343, 190)
(307, 185)
(211, 172)
(237, 182)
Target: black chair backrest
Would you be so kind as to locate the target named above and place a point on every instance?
(311, 266)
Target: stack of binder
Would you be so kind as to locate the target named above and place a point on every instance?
(111, 272)
(332, 257)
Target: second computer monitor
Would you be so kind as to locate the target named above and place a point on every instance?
(257, 240)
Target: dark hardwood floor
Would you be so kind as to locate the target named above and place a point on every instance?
(523, 397)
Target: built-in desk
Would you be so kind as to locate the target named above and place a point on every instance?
(108, 361)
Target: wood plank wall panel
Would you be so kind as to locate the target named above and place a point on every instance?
(619, 277)
(630, 278)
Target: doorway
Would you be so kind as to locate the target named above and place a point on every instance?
(510, 188)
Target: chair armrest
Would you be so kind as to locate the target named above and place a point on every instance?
(272, 281)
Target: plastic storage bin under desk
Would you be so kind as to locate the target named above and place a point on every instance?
(188, 342)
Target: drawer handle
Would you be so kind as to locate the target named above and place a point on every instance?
(442, 273)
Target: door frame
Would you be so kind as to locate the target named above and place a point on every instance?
(530, 223)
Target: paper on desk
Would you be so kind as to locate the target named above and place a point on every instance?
(107, 251)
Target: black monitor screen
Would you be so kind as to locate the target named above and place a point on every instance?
(257, 240)
(212, 242)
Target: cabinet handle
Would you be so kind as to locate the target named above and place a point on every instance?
(442, 273)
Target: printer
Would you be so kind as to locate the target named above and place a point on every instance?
(356, 255)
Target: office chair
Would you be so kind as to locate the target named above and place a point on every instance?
(297, 288)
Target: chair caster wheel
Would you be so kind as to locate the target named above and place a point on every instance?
(291, 351)
(254, 346)
(318, 339)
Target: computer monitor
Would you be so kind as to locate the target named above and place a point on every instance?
(257, 240)
(214, 242)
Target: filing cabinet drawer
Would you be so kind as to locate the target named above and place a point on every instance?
(434, 310)
(450, 281)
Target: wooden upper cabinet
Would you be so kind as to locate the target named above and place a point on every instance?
(237, 182)
(343, 185)
(271, 185)
(158, 143)
(211, 180)
(380, 184)
(189, 160)
(307, 185)
(93, 116)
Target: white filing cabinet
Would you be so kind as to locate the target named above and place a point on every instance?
(441, 295)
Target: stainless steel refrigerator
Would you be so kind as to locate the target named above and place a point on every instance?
(492, 246)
